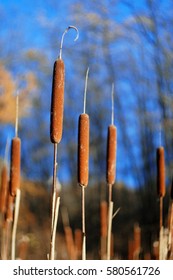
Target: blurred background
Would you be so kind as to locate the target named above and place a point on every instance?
(128, 43)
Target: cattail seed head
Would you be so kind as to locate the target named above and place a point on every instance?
(4, 189)
(10, 207)
(160, 171)
(83, 149)
(103, 218)
(111, 154)
(57, 102)
(15, 165)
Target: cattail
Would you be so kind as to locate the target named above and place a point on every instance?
(103, 218)
(83, 143)
(83, 161)
(56, 128)
(111, 147)
(111, 154)
(57, 102)
(160, 172)
(15, 165)
(4, 188)
(10, 207)
(83, 149)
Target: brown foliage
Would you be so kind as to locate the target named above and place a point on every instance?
(8, 90)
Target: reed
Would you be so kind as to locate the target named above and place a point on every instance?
(111, 170)
(56, 130)
(15, 166)
(83, 162)
(3, 190)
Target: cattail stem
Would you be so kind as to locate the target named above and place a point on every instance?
(17, 115)
(83, 224)
(112, 115)
(110, 214)
(54, 182)
(53, 233)
(109, 193)
(103, 229)
(14, 228)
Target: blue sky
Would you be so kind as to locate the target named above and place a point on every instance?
(28, 25)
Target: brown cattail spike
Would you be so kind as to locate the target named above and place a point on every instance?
(104, 218)
(4, 189)
(83, 142)
(57, 102)
(160, 172)
(15, 165)
(10, 208)
(83, 149)
(111, 154)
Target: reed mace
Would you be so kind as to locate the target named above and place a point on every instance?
(111, 170)
(7, 224)
(83, 162)
(15, 165)
(4, 189)
(160, 191)
(57, 102)
(56, 129)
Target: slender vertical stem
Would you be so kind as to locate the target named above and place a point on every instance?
(112, 115)
(83, 225)
(54, 183)
(110, 214)
(53, 233)
(109, 194)
(17, 115)
(14, 228)
(85, 91)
